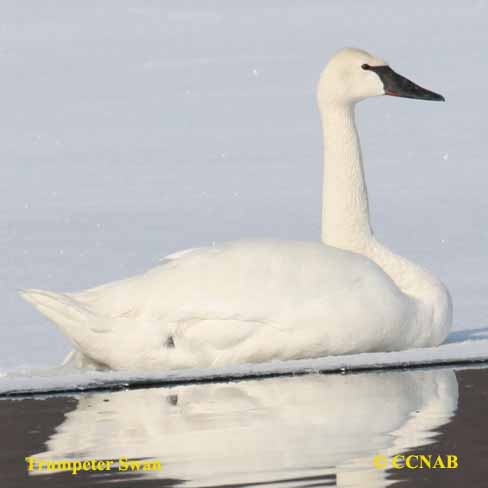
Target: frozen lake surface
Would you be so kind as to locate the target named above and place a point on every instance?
(131, 129)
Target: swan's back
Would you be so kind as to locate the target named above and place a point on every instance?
(255, 271)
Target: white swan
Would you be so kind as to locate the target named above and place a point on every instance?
(252, 301)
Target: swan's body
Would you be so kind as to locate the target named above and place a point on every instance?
(252, 301)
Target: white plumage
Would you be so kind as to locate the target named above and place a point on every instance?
(252, 301)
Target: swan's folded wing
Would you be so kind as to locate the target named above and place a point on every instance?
(229, 341)
(216, 333)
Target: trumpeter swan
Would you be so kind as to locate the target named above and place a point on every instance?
(252, 301)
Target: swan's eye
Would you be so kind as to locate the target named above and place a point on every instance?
(365, 66)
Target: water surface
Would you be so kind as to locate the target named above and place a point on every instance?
(313, 430)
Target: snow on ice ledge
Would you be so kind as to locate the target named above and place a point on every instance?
(472, 349)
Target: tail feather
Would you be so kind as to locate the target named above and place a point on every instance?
(64, 311)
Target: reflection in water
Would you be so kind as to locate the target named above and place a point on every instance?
(310, 430)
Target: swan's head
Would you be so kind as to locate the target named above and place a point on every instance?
(353, 75)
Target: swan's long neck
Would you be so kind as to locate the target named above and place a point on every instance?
(345, 212)
(345, 217)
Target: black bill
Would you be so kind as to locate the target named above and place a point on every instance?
(398, 86)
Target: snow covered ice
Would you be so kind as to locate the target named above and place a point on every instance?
(129, 131)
